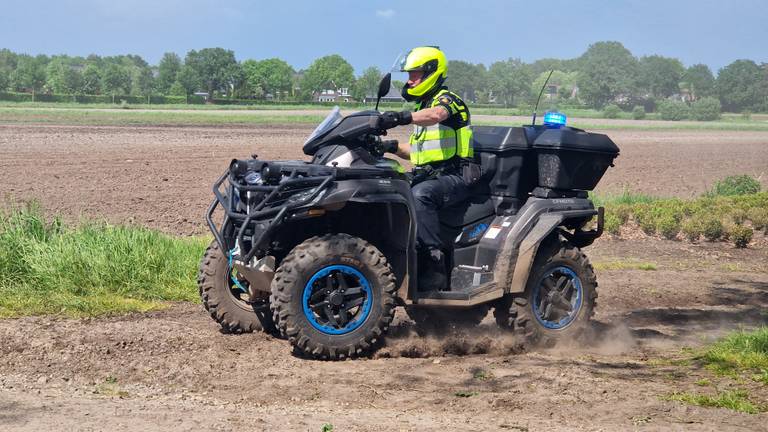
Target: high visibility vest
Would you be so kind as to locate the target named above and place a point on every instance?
(447, 139)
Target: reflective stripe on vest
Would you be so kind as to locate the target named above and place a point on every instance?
(439, 143)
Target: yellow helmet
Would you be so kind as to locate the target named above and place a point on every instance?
(430, 60)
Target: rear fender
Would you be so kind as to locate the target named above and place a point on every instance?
(544, 227)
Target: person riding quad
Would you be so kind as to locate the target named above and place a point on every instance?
(440, 149)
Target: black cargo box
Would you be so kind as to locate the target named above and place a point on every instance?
(571, 158)
(507, 160)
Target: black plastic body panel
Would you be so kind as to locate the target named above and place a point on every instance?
(507, 160)
(572, 159)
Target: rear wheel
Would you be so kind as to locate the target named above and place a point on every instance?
(225, 298)
(558, 301)
(333, 297)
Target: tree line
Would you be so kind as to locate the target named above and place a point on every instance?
(606, 73)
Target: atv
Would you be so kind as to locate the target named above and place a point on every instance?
(322, 252)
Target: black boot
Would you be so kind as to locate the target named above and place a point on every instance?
(432, 275)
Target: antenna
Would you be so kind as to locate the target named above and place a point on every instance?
(536, 108)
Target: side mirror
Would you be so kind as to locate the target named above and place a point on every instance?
(384, 86)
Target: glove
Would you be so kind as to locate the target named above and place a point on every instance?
(389, 146)
(390, 119)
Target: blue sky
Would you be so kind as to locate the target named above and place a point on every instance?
(374, 32)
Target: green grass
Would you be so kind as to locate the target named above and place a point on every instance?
(93, 269)
(668, 216)
(141, 118)
(737, 400)
(113, 115)
(741, 353)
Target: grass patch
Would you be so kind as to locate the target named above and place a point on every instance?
(93, 269)
(148, 118)
(711, 217)
(111, 114)
(624, 265)
(740, 353)
(737, 400)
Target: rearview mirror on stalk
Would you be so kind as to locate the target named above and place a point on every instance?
(384, 85)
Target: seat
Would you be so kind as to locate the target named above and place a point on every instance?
(478, 206)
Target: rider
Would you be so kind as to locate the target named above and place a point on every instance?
(440, 147)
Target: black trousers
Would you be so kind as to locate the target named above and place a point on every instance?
(430, 196)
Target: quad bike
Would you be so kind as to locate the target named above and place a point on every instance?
(322, 252)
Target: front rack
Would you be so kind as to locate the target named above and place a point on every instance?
(259, 212)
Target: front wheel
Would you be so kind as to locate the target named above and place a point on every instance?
(333, 297)
(225, 297)
(558, 301)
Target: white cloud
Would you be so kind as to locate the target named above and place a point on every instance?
(386, 13)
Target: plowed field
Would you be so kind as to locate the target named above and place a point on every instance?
(174, 370)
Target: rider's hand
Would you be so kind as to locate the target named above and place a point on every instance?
(389, 146)
(390, 119)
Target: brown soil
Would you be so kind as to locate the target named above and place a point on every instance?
(161, 176)
(174, 370)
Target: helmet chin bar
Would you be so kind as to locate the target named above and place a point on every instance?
(429, 93)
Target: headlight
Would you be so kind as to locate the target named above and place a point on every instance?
(300, 196)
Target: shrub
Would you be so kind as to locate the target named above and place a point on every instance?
(645, 219)
(668, 226)
(746, 115)
(738, 216)
(638, 112)
(712, 228)
(611, 111)
(759, 217)
(706, 109)
(736, 185)
(674, 110)
(623, 212)
(612, 223)
(740, 235)
(691, 229)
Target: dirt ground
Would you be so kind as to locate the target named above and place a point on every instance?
(174, 370)
(161, 176)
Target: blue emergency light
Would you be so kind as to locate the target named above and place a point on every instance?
(554, 119)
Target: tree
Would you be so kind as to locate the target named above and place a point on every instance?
(367, 84)
(606, 71)
(115, 80)
(509, 80)
(467, 79)
(61, 77)
(564, 81)
(329, 72)
(215, 67)
(167, 69)
(141, 81)
(8, 62)
(177, 89)
(29, 73)
(271, 76)
(738, 86)
(91, 80)
(660, 76)
(699, 81)
(188, 79)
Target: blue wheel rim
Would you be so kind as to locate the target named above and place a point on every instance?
(557, 298)
(337, 299)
